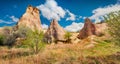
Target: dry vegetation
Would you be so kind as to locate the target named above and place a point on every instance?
(103, 52)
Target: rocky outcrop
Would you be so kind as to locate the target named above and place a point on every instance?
(101, 28)
(54, 33)
(30, 19)
(88, 29)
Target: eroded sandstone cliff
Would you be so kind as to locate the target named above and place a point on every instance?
(30, 19)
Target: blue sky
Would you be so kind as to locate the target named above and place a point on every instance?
(70, 13)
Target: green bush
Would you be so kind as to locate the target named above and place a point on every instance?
(1, 39)
(34, 40)
(67, 36)
(113, 21)
(8, 37)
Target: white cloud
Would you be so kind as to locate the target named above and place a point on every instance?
(99, 12)
(97, 20)
(72, 16)
(2, 21)
(6, 22)
(51, 10)
(74, 27)
(14, 19)
(44, 26)
(80, 16)
(84, 17)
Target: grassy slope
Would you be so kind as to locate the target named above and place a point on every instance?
(103, 52)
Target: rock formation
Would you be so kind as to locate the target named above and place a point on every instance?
(30, 19)
(88, 29)
(54, 33)
(101, 29)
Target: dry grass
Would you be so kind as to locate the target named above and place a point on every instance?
(76, 53)
(102, 53)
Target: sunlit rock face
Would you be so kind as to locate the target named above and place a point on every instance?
(88, 29)
(55, 32)
(30, 19)
(101, 28)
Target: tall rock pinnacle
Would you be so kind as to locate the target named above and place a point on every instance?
(31, 19)
(55, 32)
(88, 29)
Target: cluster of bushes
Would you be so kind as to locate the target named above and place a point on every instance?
(113, 21)
(30, 39)
(8, 37)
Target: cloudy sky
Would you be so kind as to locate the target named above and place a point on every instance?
(69, 13)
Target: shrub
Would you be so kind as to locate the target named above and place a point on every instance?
(34, 40)
(1, 39)
(67, 36)
(8, 37)
(113, 21)
(10, 40)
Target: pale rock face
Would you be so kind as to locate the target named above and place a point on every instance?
(55, 32)
(101, 28)
(31, 19)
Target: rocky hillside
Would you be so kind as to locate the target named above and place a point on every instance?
(31, 19)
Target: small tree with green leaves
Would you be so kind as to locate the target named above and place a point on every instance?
(34, 40)
(2, 37)
(67, 36)
(113, 21)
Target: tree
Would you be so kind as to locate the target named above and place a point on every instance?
(34, 40)
(113, 21)
(67, 36)
(1, 39)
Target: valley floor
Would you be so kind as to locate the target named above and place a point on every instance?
(103, 53)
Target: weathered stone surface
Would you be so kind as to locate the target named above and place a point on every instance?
(30, 19)
(55, 32)
(101, 28)
(88, 29)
